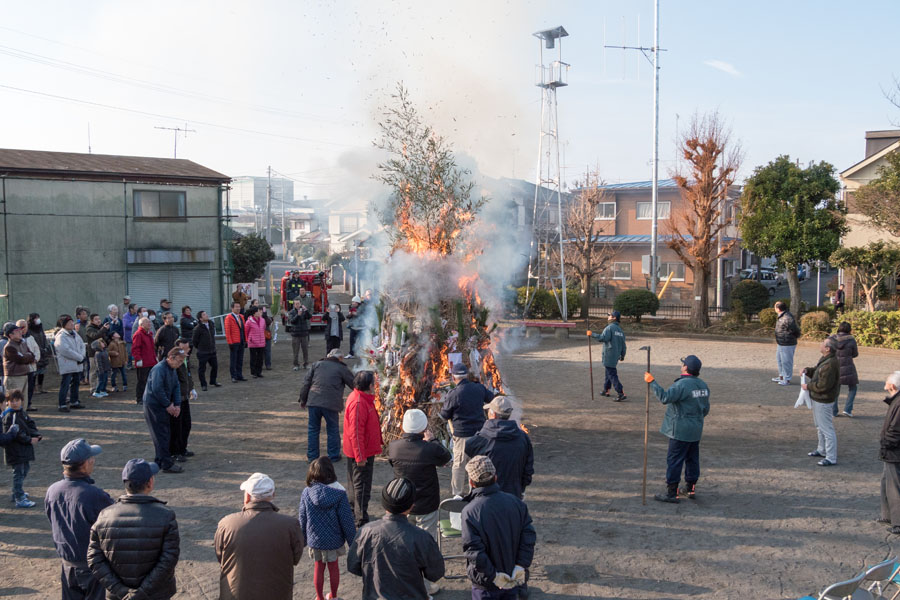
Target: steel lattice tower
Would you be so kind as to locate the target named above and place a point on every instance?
(547, 218)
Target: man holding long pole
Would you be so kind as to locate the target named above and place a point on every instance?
(687, 403)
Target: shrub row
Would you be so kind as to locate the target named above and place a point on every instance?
(880, 328)
(544, 305)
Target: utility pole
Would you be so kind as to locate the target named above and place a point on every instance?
(176, 130)
(284, 252)
(654, 199)
(269, 234)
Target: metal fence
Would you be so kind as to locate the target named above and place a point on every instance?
(667, 311)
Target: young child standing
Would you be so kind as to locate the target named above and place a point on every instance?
(104, 368)
(19, 453)
(118, 355)
(327, 523)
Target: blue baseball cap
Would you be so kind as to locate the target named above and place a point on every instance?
(138, 471)
(615, 315)
(459, 369)
(692, 363)
(78, 451)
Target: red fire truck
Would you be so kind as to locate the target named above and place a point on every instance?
(314, 282)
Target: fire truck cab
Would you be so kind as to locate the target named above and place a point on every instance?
(314, 282)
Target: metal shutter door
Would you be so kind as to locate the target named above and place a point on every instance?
(146, 288)
(192, 288)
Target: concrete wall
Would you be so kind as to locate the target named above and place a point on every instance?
(65, 243)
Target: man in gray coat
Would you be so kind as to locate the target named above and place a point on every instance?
(323, 394)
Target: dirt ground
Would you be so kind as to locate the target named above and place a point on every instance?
(766, 518)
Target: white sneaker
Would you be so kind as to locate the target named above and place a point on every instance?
(349, 356)
(784, 383)
(104, 394)
(846, 414)
(97, 395)
(776, 379)
(432, 588)
(296, 368)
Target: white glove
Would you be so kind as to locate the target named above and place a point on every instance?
(193, 395)
(504, 581)
(518, 575)
(139, 364)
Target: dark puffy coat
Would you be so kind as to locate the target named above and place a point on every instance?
(890, 431)
(846, 352)
(326, 318)
(509, 448)
(92, 334)
(298, 321)
(324, 385)
(392, 556)
(786, 330)
(37, 332)
(135, 545)
(187, 326)
(497, 535)
(204, 339)
(165, 340)
(464, 407)
(20, 450)
(825, 380)
(417, 460)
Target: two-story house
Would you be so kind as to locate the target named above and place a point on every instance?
(87, 229)
(623, 226)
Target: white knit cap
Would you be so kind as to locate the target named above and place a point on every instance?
(414, 421)
(259, 485)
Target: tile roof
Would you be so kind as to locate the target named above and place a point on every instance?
(639, 185)
(74, 164)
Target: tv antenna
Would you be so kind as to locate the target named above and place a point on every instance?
(654, 225)
(178, 130)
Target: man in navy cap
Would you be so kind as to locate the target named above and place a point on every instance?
(135, 543)
(688, 405)
(73, 505)
(464, 408)
(613, 340)
(162, 399)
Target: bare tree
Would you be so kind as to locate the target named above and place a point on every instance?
(584, 258)
(709, 168)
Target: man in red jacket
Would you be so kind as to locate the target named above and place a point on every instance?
(237, 339)
(362, 443)
(144, 355)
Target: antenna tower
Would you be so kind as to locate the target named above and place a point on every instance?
(543, 270)
(177, 130)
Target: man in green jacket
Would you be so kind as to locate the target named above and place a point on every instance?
(824, 387)
(687, 403)
(613, 339)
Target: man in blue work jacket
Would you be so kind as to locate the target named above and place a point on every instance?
(613, 340)
(687, 404)
(162, 398)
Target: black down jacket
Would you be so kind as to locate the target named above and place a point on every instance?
(417, 460)
(890, 431)
(324, 385)
(135, 545)
(786, 330)
(846, 352)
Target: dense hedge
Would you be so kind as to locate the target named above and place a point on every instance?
(767, 317)
(752, 296)
(635, 303)
(879, 328)
(816, 324)
(544, 305)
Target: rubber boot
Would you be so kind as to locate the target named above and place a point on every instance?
(689, 490)
(671, 494)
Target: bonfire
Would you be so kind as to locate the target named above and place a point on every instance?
(431, 315)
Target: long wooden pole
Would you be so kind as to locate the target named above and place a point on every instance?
(646, 431)
(591, 363)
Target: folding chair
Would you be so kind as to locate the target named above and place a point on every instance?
(882, 574)
(446, 531)
(845, 590)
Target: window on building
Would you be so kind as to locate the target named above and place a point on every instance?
(645, 212)
(349, 224)
(621, 270)
(676, 268)
(153, 204)
(606, 211)
(598, 290)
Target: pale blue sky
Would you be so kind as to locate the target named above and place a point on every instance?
(297, 84)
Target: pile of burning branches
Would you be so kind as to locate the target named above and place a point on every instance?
(415, 353)
(430, 316)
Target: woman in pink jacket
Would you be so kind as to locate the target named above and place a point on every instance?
(255, 329)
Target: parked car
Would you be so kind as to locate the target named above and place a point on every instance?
(767, 277)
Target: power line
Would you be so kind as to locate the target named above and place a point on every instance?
(158, 87)
(180, 119)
